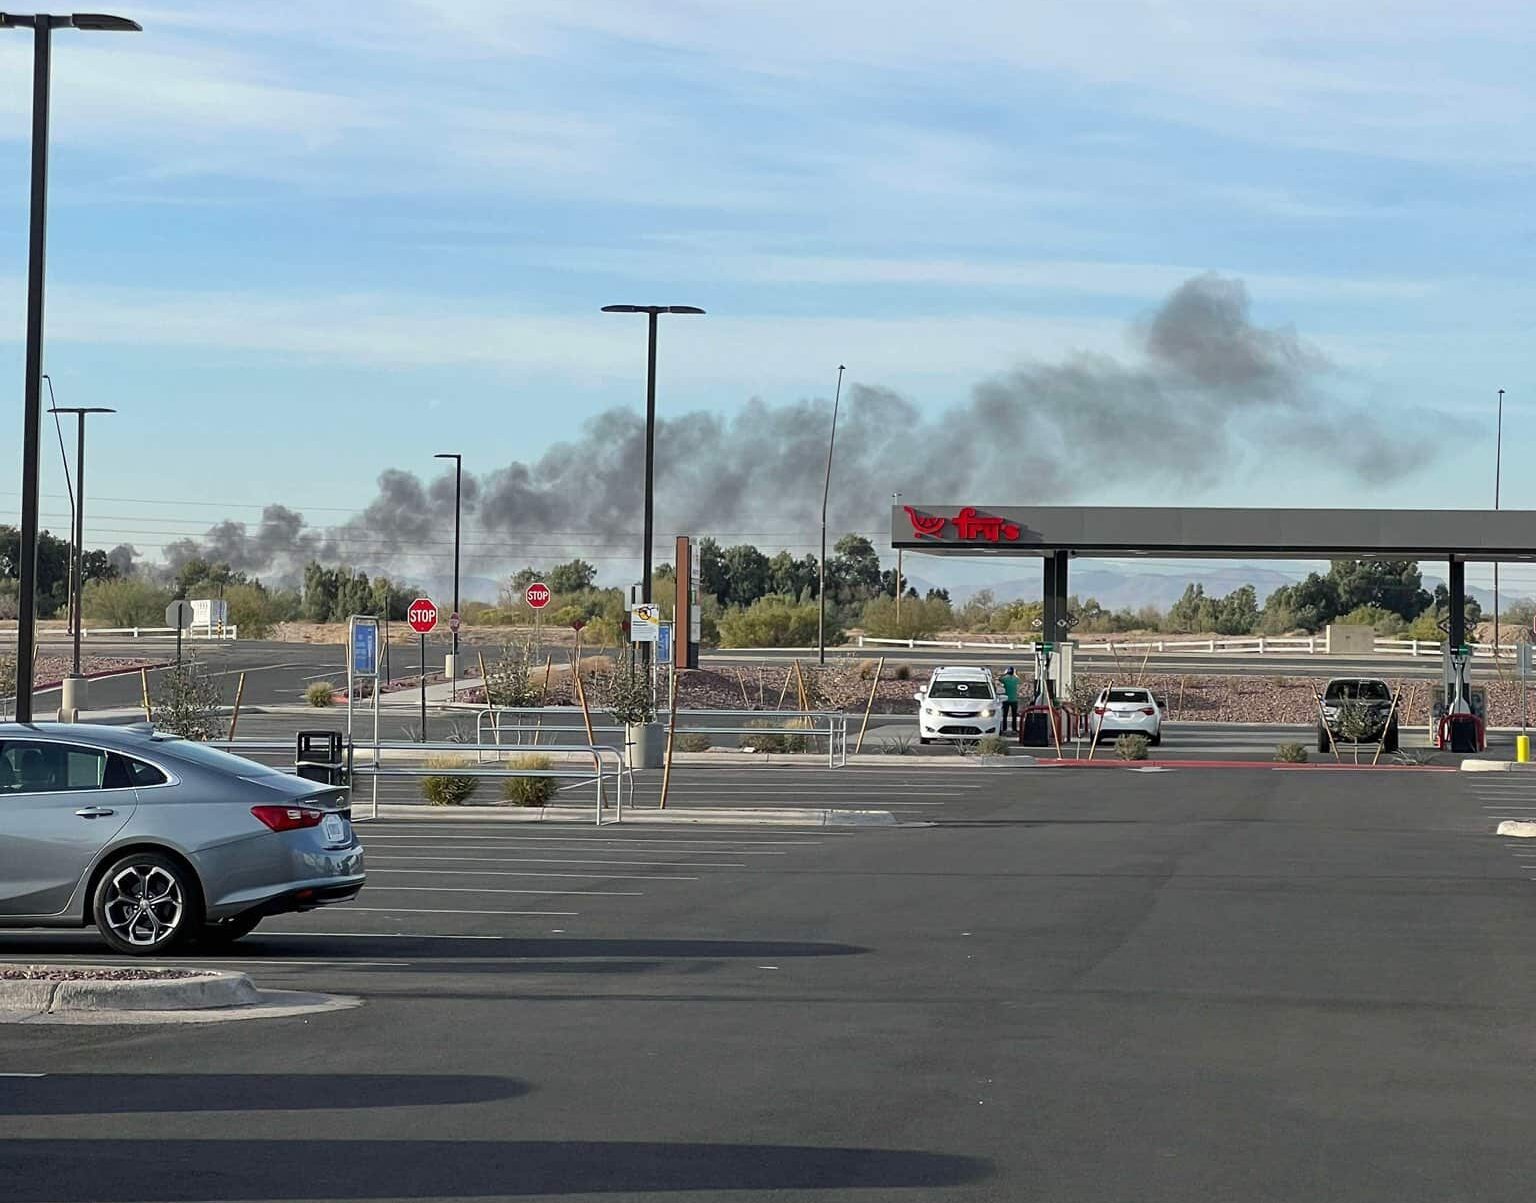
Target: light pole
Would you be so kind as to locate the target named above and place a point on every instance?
(1498, 464)
(42, 26)
(650, 438)
(458, 493)
(80, 513)
(826, 490)
(895, 501)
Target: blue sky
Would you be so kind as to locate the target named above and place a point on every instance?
(297, 243)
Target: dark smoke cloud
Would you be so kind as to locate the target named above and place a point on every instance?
(1206, 396)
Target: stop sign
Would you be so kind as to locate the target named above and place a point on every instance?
(537, 595)
(422, 615)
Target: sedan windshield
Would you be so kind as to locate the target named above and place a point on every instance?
(1357, 691)
(960, 689)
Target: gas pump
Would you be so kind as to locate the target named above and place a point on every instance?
(1045, 712)
(1458, 716)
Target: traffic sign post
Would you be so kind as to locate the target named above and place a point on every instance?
(644, 623)
(179, 615)
(363, 664)
(423, 618)
(538, 596)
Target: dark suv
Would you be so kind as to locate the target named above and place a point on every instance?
(1373, 697)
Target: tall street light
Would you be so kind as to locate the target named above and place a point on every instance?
(650, 437)
(458, 493)
(77, 699)
(42, 26)
(895, 501)
(1498, 464)
(826, 490)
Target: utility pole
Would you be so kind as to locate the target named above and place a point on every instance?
(895, 501)
(1498, 464)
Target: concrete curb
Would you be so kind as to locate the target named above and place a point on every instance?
(1496, 766)
(744, 817)
(1520, 828)
(209, 990)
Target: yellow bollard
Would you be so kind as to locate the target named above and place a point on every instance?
(1522, 749)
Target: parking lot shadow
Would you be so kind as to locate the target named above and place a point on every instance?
(175, 1171)
(120, 1094)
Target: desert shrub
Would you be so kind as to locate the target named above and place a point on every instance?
(773, 622)
(992, 745)
(320, 693)
(529, 791)
(1291, 754)
(449, 790)
(1131, 747)
(694, 741)
(509, 679)
(902, 672)
(124, 603)
(775, 738)
(867, 669)
(1384, 622)
(628, 698)
(897, 745)
(919, 618)
(186, 702)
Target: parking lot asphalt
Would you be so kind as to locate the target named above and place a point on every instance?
(1253, 984)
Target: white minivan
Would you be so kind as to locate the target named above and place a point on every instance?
(958, 703)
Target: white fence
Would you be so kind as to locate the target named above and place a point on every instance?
(1257, 645)
(194, 632)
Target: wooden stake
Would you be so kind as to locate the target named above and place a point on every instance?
(1323, 719)
(1391, 710)
(1143, 667)
(870, 705)
(549, 663)
(804, 696)
(789, 675)
(742, 681)
(234, 719)
(149, 715)
(586, 715)
(485, 680)
(666, 768)
(1182, 682)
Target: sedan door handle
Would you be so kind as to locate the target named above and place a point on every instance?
(95, 812)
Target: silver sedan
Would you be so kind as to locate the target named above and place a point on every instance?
(159, 841)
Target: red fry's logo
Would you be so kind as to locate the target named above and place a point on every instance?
(924, 524)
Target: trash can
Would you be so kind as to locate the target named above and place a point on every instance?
(1035, 728)
(1464, 732)
(319, 757)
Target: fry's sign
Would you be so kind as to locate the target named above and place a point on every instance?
(970, 526)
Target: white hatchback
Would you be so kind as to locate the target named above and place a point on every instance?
(958, 703)
(1126, 711)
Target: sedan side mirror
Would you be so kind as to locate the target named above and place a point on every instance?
(919, 696)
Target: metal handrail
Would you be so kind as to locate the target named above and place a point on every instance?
(835, 733)
(376, 768)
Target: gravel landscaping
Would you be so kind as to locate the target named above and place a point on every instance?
(56, 973)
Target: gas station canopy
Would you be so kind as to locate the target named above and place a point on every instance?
(1058, 532)
(1206, 532)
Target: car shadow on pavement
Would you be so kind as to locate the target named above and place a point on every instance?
(114, 1171)
(122, 1094)
(385, 947)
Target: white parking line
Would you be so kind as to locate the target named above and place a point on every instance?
(381, 935)
(581, 860)
(496, 890)
(373, 871)
(577, 839)
(405, 910)
(670, 851)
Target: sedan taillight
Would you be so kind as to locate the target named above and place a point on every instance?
(288, 818)
(1149, 710)
(1098, 710)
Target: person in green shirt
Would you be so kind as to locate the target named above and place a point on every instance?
(1010, 684)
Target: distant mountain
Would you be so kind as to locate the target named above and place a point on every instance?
(1116, 588)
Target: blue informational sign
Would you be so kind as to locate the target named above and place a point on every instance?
(365, 648)
(664, 643)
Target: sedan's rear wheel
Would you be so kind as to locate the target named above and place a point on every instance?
(146, 903)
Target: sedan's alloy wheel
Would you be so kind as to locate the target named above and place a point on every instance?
(144, 904)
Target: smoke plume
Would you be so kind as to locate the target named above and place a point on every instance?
(1205, 396)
